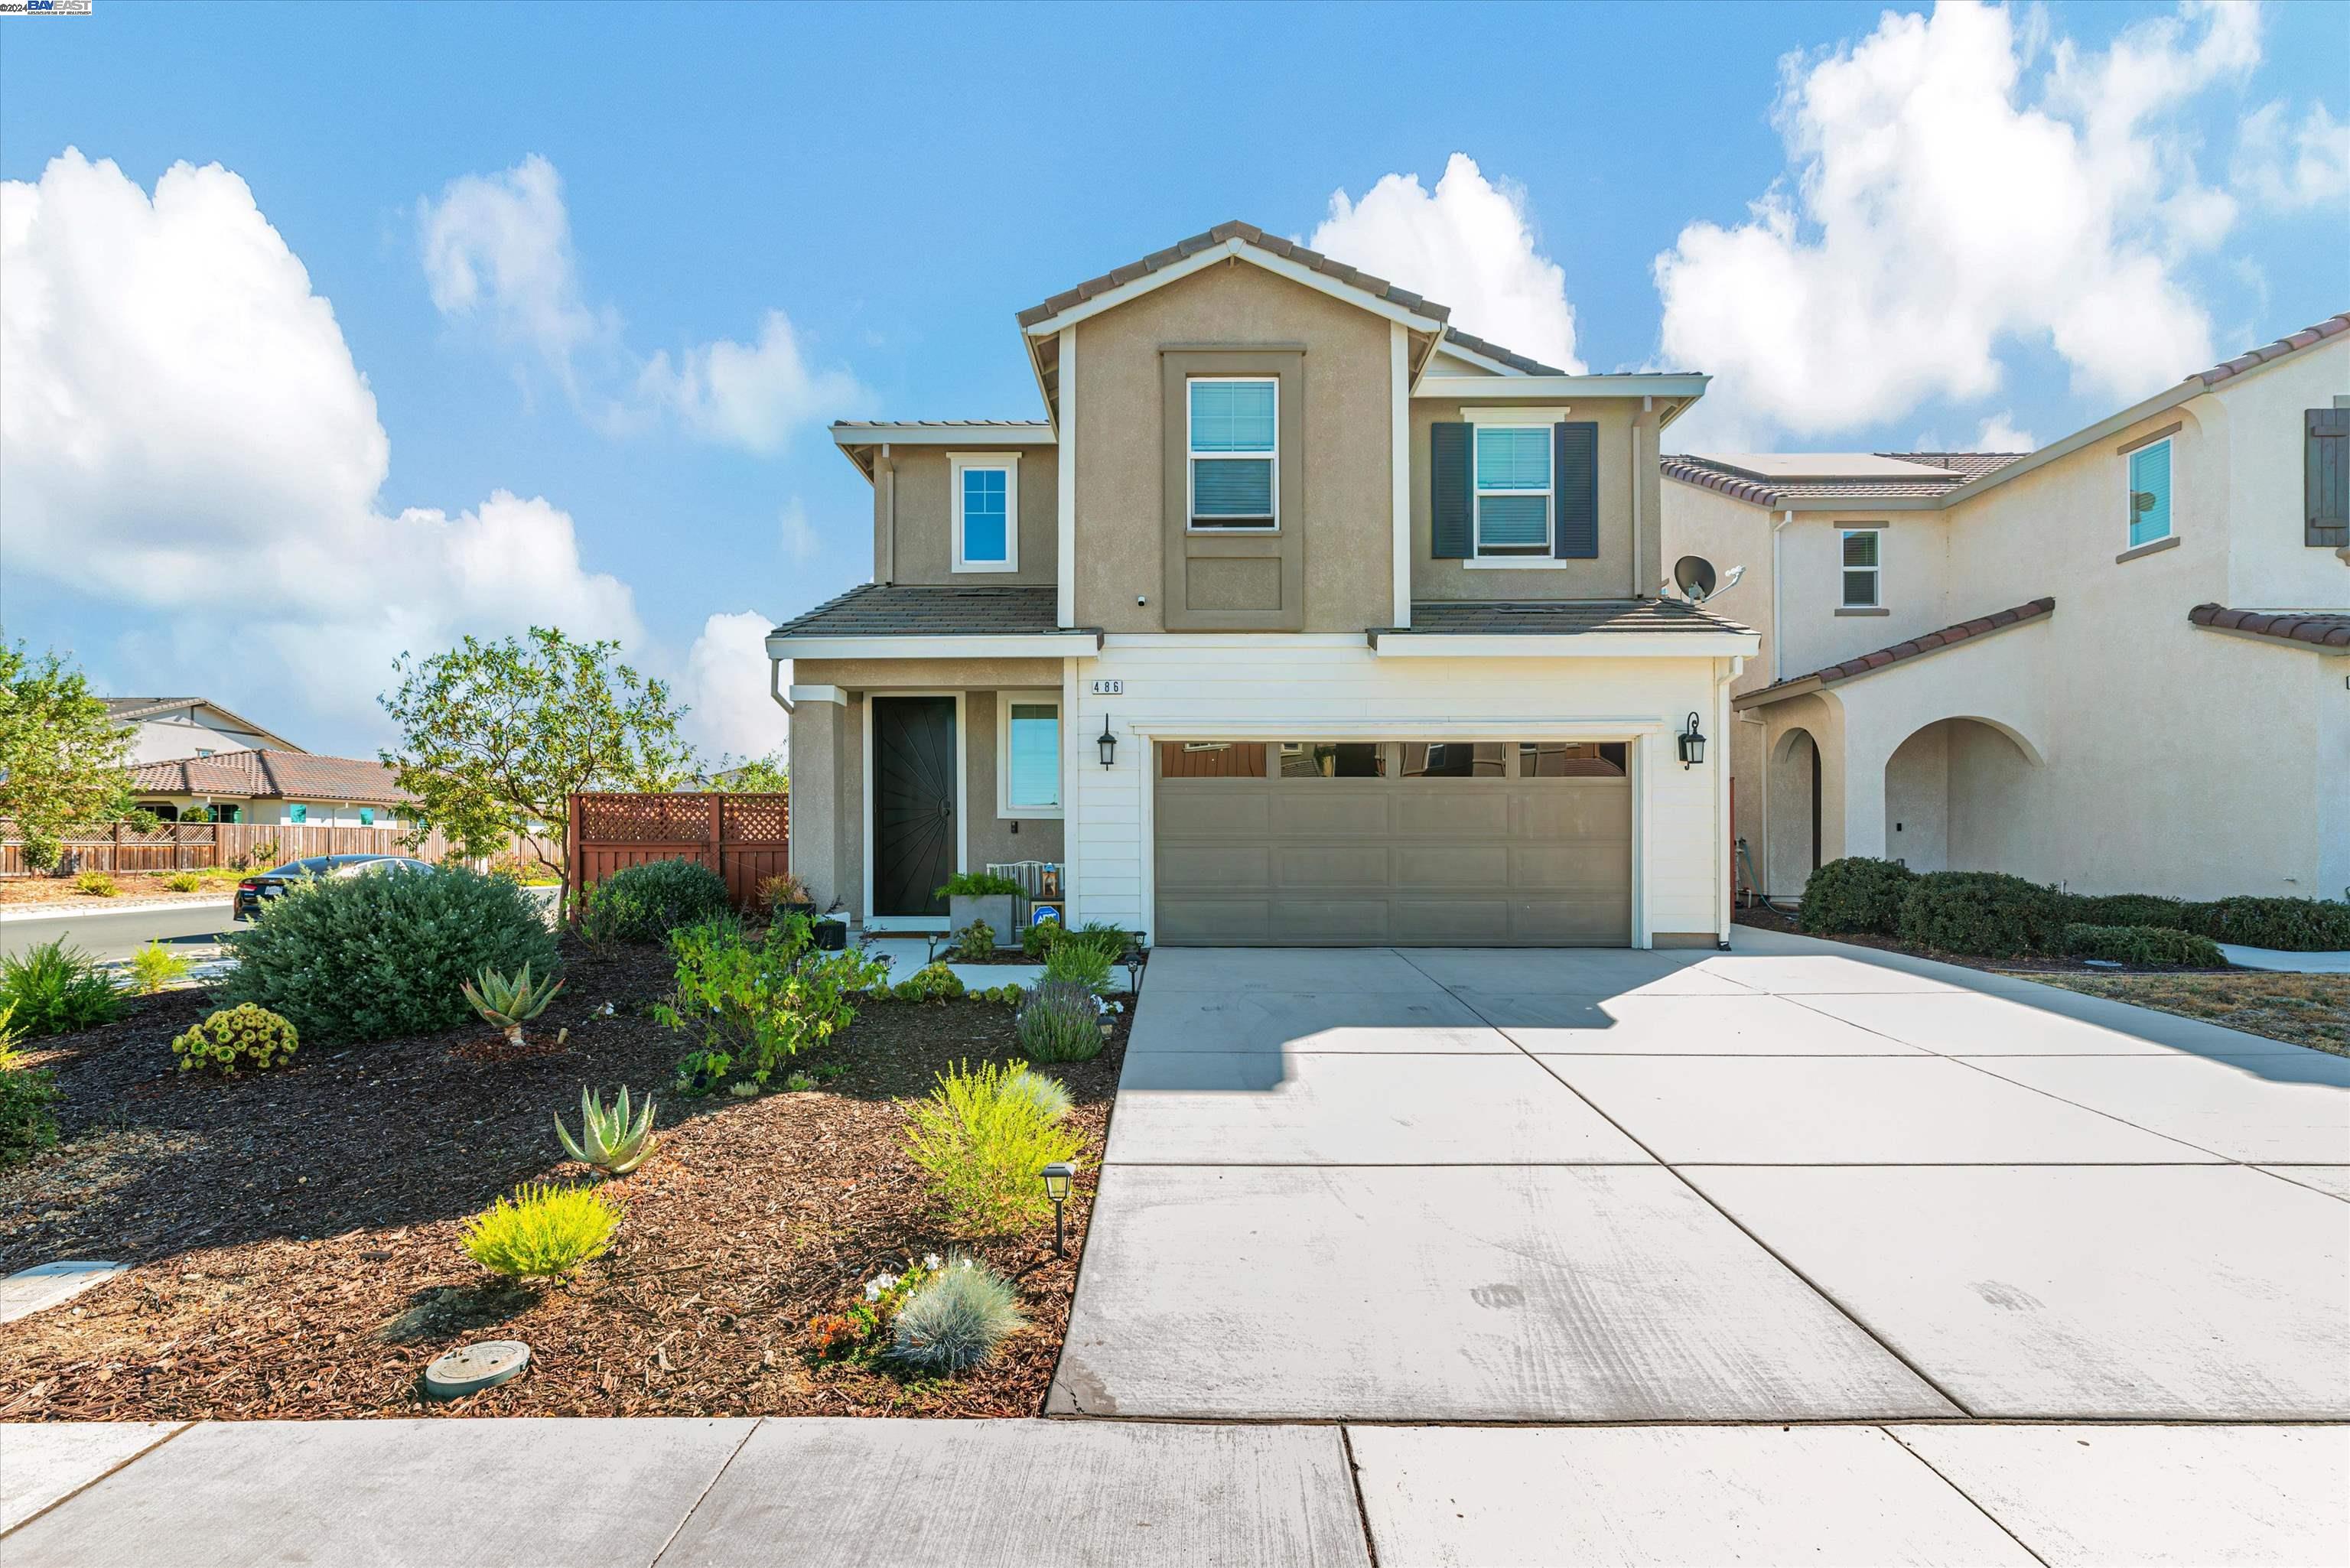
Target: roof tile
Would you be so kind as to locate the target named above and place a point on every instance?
(1900, 652)
(2252, 358)
(909, 610)
(2319, 629)
(1536, 618)
(270, 774)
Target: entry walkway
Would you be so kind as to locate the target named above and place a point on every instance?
(1800, 1181)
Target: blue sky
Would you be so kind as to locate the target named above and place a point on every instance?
(532, 224)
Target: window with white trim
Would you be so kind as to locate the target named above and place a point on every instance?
(1513, 490)
(2149, 494)
(986, 503)
(1862, 568)
(1029, 753)
(1232, 439)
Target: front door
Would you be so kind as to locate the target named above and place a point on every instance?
(914, 829)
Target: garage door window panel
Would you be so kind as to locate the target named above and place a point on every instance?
(1211, 759)
(1455, 759)
(1571, 759)
(1333, 759)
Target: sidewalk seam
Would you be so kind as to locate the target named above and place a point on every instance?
(1937, 1473)
(111, 1471)
(704, 1495)
(1355, 1482)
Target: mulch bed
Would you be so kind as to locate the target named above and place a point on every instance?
(294, 1232)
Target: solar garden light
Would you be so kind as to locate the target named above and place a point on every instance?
(1693, 745)
(1132, 959)
(1057, 1188)
(1108, 743)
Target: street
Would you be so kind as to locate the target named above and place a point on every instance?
(115, 934)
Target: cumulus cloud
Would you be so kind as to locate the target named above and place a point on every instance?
(1998, 433)
(2289, 168)
(497, 249)
(1471, 244)
(1938, 211)
(182, 431)
(725, 682)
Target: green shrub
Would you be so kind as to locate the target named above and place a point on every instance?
(543, 1231)
(155, 966)
(234, 1037)
(1060, 1021)
(56, 989)
(2126, 910)
(42, 850)
(184, 882)
(981, 1138)
(975, 943)
(645, 903)
(979, 885)
(1986, 914)
(1076, 962)
(26, 1124)
(97, 884)
(758, 1004)
(931, 983)
(1039, 939)
(2146, 946)
(1855, 895)
(373, 957)
(955, 1318)
(2292, 925)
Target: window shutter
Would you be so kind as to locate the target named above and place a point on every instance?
(1575, 475)
(1450, 497)
(2325, 482)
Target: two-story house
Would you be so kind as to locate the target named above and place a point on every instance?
(2121, 663)
(1302, 617)
(164, 728)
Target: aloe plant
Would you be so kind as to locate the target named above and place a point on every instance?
(511, 1004)
(609, 1140)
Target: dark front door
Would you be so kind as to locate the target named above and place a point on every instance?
(914, 829)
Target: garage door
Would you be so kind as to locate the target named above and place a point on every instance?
(1335, 844)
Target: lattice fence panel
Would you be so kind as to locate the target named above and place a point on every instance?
(757, 818)
(634, 818)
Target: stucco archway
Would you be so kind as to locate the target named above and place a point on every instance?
(1795, 836)
(1953, 795)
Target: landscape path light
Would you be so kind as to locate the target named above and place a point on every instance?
(1057, 1188)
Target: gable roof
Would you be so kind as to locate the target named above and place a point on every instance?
(1815, 492)
(1377, 288)
(271, 775)
(1898, 653)
(134, 710)
(2326, 630)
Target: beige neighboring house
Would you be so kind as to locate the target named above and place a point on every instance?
(1301, 618)
(164, 728)
(2121, 663)
(275, 788)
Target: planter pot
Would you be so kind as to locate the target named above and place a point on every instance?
(805, 911)
(996, 910)
(831, 936)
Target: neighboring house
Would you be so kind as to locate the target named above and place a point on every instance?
(1301, 619)
(2121, 663)
(274, 788)
(167, 727)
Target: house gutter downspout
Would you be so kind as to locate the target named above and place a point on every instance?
(1778, 660)
(776, 689)
(1726, 672)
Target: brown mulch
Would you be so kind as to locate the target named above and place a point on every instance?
(294, 1232)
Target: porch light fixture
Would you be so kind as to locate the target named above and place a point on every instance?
(1057, 1188)
(1108, 743)
(1693, 745)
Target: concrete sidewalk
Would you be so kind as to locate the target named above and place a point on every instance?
(1087, 1494)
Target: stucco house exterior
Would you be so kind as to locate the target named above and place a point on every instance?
(2121, 663)
(1301, 618)
(273, 787)
(164, 728)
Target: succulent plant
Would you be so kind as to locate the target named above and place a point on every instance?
(511, 1004)
(609, 1140)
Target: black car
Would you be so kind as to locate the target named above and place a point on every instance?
(254, 891)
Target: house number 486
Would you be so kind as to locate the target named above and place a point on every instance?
(1109, 688)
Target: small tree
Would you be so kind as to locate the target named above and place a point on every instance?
(756, 776)
(494, 737)
(62, 756)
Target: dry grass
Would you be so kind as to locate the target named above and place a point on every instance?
(15, 890)
(2300, 1008)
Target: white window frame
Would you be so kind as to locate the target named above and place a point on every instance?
(1192, 458)
(1006, 806)
(2130, 495)
(1876, 572)
(1479, 490)
(958, 463)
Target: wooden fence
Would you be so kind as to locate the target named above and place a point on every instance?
(195, 845)
(745, 838)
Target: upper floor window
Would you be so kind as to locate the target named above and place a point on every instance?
(1861, 568)
(1233, 450)
(2149, 494)
(986, 503)
(1513, 490)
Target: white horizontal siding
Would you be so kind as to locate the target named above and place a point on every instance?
(1291, 687)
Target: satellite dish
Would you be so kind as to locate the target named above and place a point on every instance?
(1694, 575)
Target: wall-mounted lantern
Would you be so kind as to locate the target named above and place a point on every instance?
(1108, 743)
(1693, 745)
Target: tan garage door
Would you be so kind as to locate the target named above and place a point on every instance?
(1492, 842)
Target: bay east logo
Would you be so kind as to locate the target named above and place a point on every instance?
(45, 7)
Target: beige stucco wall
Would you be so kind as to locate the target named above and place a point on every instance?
(1611, 576)
(921, 549)
(1701, 521)
(1348, 542)
(2261, 420)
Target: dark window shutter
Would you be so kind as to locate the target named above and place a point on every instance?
(1577, 478)
(2325, 479)
(1450, 495)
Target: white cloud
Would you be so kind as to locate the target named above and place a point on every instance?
(1936, 215)
(725, 683)
(497, 247)
(800, 539)
(1998, 433)
(184, 432)
(748, 395)
(1471, 244)
(2292, 168)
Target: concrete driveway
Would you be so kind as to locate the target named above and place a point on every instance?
(1797, 1181)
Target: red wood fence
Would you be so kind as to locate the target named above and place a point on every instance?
(193, 845)
(745, 838)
